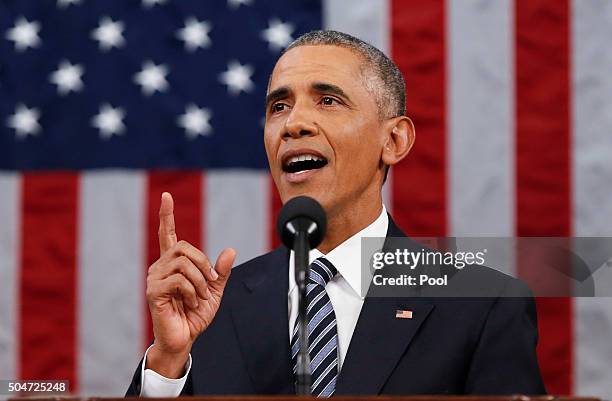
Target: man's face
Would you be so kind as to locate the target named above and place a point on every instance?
(323, 135)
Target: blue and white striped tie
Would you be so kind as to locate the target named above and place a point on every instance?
(322, 331)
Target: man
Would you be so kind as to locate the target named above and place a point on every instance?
(335, 123)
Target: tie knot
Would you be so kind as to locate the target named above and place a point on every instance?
(321, 271)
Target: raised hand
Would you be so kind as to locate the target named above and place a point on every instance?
(184, 292)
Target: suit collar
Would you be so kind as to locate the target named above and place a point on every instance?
(393, 230)
(346, 257)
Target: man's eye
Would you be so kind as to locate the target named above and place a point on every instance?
(328, 101)
(277, 107)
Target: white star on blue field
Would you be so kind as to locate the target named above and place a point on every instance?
(141, 83)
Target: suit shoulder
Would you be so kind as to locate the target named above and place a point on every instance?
(258, 267)
(508, 286)
(484, 281)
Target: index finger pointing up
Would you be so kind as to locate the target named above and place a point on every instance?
(167, 229)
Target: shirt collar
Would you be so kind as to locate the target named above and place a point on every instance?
(346, 257)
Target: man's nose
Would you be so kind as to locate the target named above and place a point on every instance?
(299, 123)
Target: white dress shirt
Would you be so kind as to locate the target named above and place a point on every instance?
(344, 292)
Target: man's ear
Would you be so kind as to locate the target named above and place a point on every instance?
(399, 140)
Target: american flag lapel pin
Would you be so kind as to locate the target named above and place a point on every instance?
(403, 314)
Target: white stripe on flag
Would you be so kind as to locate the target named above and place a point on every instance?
(111, 280)
(236, 205)
(10, 210)
(481, 130)
(592, 88)
(369, 20)
(592, 125)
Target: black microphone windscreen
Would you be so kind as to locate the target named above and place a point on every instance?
(304, 208)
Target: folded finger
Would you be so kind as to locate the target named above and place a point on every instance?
(183, 265)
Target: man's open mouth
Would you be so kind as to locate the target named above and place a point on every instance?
(305, 162)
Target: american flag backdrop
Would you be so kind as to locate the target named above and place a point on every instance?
(104, 104)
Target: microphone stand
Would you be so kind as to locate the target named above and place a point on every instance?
(301, 224)
(303, 373)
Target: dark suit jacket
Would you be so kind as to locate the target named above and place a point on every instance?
(450, 346)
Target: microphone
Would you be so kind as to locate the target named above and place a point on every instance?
(301, 214)
(301, 226)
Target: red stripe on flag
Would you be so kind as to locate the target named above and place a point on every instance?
(419, 182)
(186, 188)
(275, 206)
(48, 326)
(543, 162)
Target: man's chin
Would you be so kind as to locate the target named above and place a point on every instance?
(317, 184)
(293, 191)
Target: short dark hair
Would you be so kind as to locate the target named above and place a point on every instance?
(381, 75)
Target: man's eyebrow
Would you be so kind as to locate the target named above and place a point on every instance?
(323, 87)
(277, 94)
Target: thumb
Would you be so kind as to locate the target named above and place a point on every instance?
(224, 263)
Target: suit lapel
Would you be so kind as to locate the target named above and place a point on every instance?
(378, 343)
(260, 317)
(380, 339)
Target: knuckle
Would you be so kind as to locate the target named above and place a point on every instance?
(184, 281)
(158, 267)
(170, 281)
(187, 288)
(155, 265)
(178, 283)
(175, 250)
(182, 263)
(150, 292)
(154, 268)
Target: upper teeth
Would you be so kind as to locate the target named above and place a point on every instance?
(302, 158)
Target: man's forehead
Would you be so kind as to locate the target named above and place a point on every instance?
(320, 62)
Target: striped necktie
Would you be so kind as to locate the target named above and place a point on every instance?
(322, 331)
